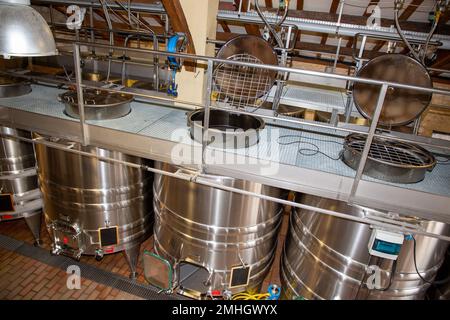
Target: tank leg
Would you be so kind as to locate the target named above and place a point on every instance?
(132, 255)
(34, 224)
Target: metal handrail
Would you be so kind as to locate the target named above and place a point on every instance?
(384, 85)
(269, 67)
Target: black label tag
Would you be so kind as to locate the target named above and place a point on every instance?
(239, 276)
(6, 203)
(109, 236)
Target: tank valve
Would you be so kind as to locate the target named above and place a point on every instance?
(99, 254)
(227, 295)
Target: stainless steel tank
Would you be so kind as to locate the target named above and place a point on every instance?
(327, 258)
(216, 230)
(19, 189)
(94, 207)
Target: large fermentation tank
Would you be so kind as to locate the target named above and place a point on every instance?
(92, 206)
(18, 182)
(215, 229)
(327, 257)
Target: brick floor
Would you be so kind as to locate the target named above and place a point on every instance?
(25, 278)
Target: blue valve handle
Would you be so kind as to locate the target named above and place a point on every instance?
(173, 64)
(274, 292)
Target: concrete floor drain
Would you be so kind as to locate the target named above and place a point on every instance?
(89, 272)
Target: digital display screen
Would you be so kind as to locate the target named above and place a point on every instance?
(386, 247)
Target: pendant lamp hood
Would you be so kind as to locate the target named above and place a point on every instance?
(23, 31)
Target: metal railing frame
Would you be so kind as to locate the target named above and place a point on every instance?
(197, 178)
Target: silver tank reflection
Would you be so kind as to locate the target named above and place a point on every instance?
(83, 195)
(327, 257)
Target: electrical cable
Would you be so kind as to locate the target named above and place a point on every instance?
(249, 296)
(310, 151)
(433, 283)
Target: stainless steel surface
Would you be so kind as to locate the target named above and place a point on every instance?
(226, 130)
(401, 105)
(24, 32)
(389, 161)
(13, 87)
(372, 194)
(18, 178)
(441, 291)
(215, 229)
(245, 86)
(40, 114)
(197, 178)
(327, 258)
(98, 104)
(83, 194)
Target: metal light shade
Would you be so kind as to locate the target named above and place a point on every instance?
(23, 31)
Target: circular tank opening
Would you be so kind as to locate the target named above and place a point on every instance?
(226, 129)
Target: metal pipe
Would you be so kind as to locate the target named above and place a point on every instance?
(155, 59)
(111, 36)
(141, 7)
(427, 42)
(205, 133)
(368, 144)
(400, 33)
(272, 31)
(78, 78)
(91, 24)
(202, 180)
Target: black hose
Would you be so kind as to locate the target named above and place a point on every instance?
(433, 283)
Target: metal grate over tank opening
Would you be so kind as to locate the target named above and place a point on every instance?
(242, 86)
(400, 154)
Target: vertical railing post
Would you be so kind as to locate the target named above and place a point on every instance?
(207, 99)
(365, 152)
(80, 97)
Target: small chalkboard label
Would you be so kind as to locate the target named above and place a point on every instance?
(240, 277)
(6, 203)
(109, 236)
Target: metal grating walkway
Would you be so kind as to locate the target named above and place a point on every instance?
(89, 272)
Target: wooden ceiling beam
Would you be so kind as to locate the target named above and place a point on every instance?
(249, 28)
(333, 9)
(367, 15)
(225, 26)
(178, 21)
(442, 60)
